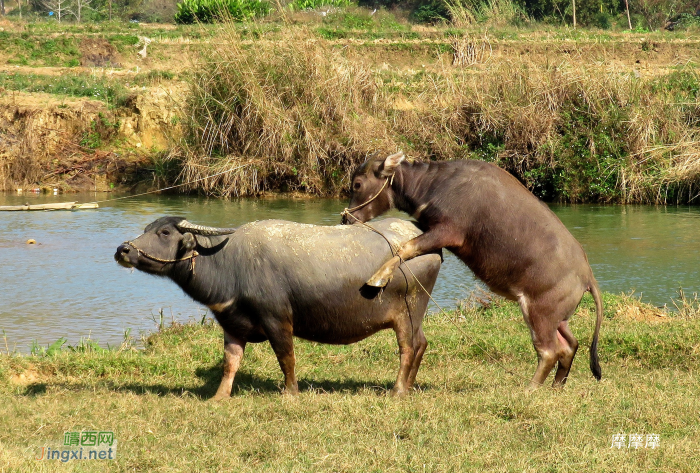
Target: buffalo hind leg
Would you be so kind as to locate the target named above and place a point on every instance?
(233, 353)
(431, 241)
(544, 338)
(404, 337)
(419, 345)
(568, 346)
(281, 339)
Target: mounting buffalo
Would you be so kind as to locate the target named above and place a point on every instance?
(272, 280)
(509, 238)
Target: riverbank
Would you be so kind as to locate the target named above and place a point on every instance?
(294, 104)
(468, 413)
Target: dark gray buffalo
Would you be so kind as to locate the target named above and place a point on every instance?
(510, 239)
(270, 280)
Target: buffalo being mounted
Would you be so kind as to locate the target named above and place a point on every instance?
(272, 280)
(509, 238)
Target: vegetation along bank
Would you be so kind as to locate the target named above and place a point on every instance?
(292, 100)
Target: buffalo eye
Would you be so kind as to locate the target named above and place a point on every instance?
(356, 186)
(165, 232)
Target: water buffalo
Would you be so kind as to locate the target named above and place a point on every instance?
(510, 240)
(270, 280)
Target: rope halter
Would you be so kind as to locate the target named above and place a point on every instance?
(389, 180)
(191, 256)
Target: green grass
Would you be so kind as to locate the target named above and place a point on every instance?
(79, 85)
(28, 49)
(468, 414)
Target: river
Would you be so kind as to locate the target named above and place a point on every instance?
(68, 284)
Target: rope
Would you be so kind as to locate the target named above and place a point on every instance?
(348, 211)
(444, 312)
(191, 257)
(173, 187)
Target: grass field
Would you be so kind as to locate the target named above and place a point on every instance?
(467, 413)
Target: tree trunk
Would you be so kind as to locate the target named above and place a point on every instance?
(627, 7)
(2, 7)
(574, 4)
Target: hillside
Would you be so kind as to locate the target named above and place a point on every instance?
(577, 115)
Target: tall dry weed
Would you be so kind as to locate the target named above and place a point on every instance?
(300, 115)
(302, 112)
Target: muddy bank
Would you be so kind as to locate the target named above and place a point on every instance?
(81, 144)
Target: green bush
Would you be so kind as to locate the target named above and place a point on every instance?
(209, 11)
(313, 4)
(431, 11)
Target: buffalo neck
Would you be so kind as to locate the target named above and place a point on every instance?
(412, 184)
(205, 278)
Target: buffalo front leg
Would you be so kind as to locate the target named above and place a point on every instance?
(428, 242)
(233, 353)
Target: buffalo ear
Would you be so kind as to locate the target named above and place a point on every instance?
(188, 241)
(390, 164)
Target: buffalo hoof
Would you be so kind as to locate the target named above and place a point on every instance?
(395, 392)
(219, 397)
(379, 280)
(290, 391)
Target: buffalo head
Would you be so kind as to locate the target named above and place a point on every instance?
(370, 189)
(166, 241)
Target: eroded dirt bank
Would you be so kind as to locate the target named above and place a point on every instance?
(79, 144)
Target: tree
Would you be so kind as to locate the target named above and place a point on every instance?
(60, 8)
(80, 5)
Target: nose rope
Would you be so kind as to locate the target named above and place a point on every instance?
(347, 211)
(191, 257)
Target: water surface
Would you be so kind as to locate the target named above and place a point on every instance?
(68, 284)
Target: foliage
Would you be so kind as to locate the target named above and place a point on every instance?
(430, 11)
(314, 4)
(298, 111)
(79, 85)
(101, 130)
(492, 12)
(209, 11)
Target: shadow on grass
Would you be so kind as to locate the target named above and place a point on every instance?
(211, 376)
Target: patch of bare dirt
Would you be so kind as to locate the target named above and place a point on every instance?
(27, 377)
(98, 52)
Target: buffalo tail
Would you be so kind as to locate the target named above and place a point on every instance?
(595, 292)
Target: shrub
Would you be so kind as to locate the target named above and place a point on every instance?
(313, 4)
(209, 11)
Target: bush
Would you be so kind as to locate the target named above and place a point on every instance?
(432, 11)
(209, 11)
(313, 4)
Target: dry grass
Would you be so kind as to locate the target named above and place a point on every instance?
(296, 107)
(305, 115)
(467, 415)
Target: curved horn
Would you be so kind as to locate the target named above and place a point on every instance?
(202, 230)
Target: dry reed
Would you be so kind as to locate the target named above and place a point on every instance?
(304, 115)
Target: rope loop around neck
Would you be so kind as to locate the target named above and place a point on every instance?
(389, 180)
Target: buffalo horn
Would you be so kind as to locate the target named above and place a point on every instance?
(202, 230)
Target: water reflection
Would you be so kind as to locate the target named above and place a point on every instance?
(69, 285)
